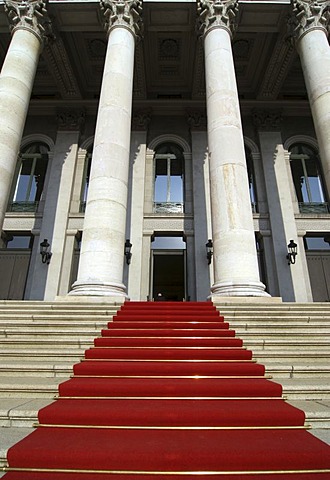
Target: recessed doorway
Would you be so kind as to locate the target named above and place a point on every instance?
(168, 269)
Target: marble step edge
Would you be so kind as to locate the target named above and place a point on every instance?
(18, 412)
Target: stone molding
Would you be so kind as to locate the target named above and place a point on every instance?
(141, 120)
(217, 14)
(197, 120)
(29, 15)
(308, 15)
(166, 223)
(279, 65)
(267, 120)
(70, 119)
(60, 66)
(123, 13)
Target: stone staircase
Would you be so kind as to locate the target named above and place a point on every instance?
(40, 341)
(293, 341)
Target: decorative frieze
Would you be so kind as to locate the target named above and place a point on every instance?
(267, 120)
(197, 120)
(141, 120)
(29, 15)
(60, 66)
(124, 13)
(70, 119)
(217, 13)
(309, 15)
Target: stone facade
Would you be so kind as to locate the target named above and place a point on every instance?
(165, 125)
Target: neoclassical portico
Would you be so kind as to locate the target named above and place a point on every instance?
(235, 258)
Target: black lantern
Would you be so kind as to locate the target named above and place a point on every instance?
(45, 251)
(292, 252)
(127, 251)
(209, 251)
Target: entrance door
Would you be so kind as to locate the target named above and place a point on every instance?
(168, 269)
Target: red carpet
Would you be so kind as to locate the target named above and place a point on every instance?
(168, 392)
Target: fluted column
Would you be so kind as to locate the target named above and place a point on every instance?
(235, 257)
(309, 26)
(102, 250)
(29, 25)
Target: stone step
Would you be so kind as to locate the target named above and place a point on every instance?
(305, 389)
(21, 412)
(29, 387)
(287, 344)
(36, 368)
(317, 412)
(298, 370)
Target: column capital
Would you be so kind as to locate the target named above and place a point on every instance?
(71, 119)
(309, 15)
(29, 15)
(141, 120)
(122, 13)
(267, 120)
(217, 14)
(197, 120)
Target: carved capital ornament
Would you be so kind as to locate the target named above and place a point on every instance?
(123, 13)
(309, 15)
(217, 14)
(29, 15)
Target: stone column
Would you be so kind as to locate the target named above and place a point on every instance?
(29, 25)
(235, 257)
(309, 26)
(102, 251)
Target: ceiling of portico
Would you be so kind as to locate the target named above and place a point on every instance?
(169, 61)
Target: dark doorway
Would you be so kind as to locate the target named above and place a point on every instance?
(168, 276)
(168, 268)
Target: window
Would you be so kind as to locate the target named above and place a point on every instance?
(86, 177)
(16, 241)
(30, 178)
(307, 179)
(318, 242)
(251, 179)
(169, 179)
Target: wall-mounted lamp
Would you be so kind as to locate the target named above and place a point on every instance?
(127, 251)
(45, 251)
(209, 251)
(292, 252)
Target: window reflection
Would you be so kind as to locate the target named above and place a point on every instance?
(169, 179)
(30, 178)
(307, 179)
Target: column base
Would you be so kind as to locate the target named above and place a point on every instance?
(231, 289)
(99, 289)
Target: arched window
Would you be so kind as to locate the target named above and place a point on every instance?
(251, 179)
(169, 179)
(30, 178)
(307, 178)
(86, 176)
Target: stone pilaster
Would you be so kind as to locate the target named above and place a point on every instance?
(29, 25)
(309, 26)
(235, 261)
(102, 251)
